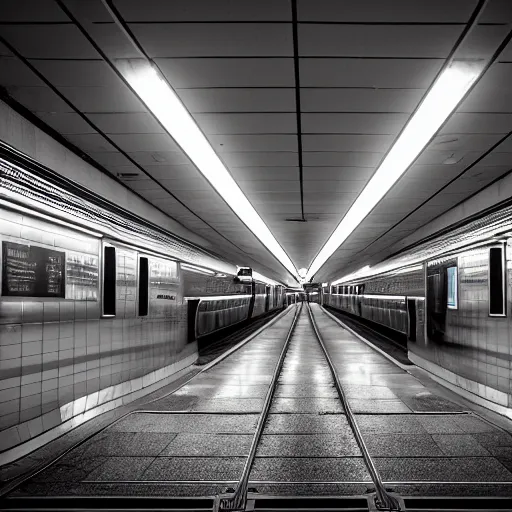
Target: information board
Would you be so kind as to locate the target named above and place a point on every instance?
(30, 271)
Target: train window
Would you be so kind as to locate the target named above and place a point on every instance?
(143, 286)
(496, 282)
(109, 281)
(452, 287)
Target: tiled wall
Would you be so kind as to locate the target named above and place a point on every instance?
(477, 347)
(56, 351)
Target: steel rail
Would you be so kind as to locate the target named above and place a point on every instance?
(237, 500)
(384, 500)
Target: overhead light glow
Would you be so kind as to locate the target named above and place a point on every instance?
(200, 270)
(440, 102)
(163, 102)
(302, 272)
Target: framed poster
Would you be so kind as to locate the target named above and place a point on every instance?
(31, 271)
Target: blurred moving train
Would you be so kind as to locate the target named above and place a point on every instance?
(450, 296)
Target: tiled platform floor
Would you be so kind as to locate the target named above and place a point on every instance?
(194, 442)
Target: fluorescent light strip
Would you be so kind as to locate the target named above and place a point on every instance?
(377, 272)
(193, 268)
(154, 91)
(440, 102)
(219, 297)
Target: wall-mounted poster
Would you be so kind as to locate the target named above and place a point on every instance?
(82, 274)
(30, 271)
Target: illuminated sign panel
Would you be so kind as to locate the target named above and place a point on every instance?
(452, 287)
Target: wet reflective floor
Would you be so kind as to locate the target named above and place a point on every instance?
(195, 441)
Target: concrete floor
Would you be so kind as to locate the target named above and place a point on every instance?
(195, 440)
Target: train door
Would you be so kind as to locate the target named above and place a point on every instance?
(411, 310)
(192, 306)
(253, 298)
(267, 298)
(437, 298)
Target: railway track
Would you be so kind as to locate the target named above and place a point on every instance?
(305, 352)
(237, 500)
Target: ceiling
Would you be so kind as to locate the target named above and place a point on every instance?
(263, 79)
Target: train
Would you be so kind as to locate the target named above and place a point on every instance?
(98, 305)
(450, 298)
(216, 301)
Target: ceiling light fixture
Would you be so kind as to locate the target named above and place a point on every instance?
(164, 103)
(444, 96)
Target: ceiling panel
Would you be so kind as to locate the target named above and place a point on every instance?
(103, 99)
(478, 123)
(238, 100)
(365, 123)
(46, 41)
(431, 157)
(434, 172)
(32, 10)
(205, 10)
(230, 143)
(347, 142)
(159, 157)
(497, 158)
(333, 186)
(267, 186)
(138, 142)
(77, 73)
(284, 198)
(119, 122)
(373, 73)
(246, 123)
(66, 123)
(316, 206)
(395, 11)
(212, 72)
(359, 100)
(338, 173)
(187, 183)
(505, 145)
(260, 158)
(424, 41)
(15, 73)
(484, 41)
(506, 55)
(39, 99)
(315, 197)
(488, 172)
(169, 172)
(215, 39)
(465, 141)
(341, 159)
(112, 40)
(417, 188)
(112, 159)
(91, 142)
(264, 173)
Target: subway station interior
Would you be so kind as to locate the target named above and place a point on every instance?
(256, 255)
